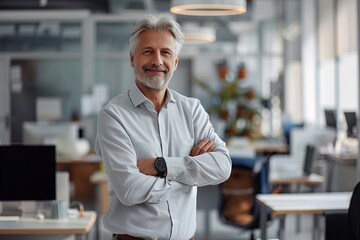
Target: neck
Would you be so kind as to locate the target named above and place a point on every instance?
(157, 97)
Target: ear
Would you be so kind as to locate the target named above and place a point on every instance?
(176, 63)
(131, 60)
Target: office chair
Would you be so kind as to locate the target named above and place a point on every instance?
(344, 224)
(286, 128)
(238, 205)
(336, 226)
(354, 213)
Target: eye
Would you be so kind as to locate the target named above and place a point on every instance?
(147, 52)
(167, 53)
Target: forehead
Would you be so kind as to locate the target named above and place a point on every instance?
(156, 39)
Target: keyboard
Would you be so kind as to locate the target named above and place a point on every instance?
(9, 218)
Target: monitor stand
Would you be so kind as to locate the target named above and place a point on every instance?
(12, 208)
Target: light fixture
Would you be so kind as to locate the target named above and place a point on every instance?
(208, 7)
(198, 34)
(43, 3)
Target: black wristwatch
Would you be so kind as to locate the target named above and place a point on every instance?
(160, 166)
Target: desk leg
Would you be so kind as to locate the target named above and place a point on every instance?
(316, 229)
(330, 175)
(282, 228)
(297, 215)
(207, 224)
(98, 210)
(81, 236)
(263, 219)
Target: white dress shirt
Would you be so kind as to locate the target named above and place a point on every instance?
(151, 207)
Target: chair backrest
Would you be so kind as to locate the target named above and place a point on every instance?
(287, 127)
(336, 226)
(238, 206)
(354, 213)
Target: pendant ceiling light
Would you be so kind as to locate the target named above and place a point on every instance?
(198, 34)
(208, 7)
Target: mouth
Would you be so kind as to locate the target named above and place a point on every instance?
(155, 70)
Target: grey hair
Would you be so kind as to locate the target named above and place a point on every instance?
(162, 22)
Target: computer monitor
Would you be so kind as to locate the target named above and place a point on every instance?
(27, 173)
(61, 134)
(330, 118)
(309, 158)
(351, 120)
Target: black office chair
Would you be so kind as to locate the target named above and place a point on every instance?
(238, 205)
(336, 226)
(354, 213)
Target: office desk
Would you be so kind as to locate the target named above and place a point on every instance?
(305, 203)
(269, 147)
(264, 147)
(35, 228)
(312, 179)
(80, 170)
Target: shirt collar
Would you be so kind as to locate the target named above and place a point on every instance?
(137, 97)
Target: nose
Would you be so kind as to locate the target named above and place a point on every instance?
(157, 58)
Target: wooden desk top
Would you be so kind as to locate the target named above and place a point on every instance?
(312, 179)
(70, 225)
(245, 148)
(266, 146)
(98, 177)
(90, 158)
(303, 203)
(344, 158)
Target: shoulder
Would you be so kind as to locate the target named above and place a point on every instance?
(118, 103)
(184, 100)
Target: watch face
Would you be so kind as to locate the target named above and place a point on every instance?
(160, 164)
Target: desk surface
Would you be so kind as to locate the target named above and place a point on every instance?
(250, 148)
(340, 157)
(70, 225)
(312, 179)
(89, 158)
(98, 177)
(314, 203)
(268, 146)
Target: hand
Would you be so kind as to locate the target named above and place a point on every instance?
(146, 166)
(205, 145)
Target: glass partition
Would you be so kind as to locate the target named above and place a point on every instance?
(40, 36)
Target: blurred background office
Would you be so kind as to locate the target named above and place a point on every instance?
(280, 64)
(300, 57)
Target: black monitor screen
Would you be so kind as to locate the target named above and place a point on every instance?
(27, 172)
(350, 118)
(330, 118)
(309, 157)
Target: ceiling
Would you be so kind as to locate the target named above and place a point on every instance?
(228, 28)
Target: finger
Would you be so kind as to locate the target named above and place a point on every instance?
(208, 146)
(195, 150)
(201, 147)
(202, 143)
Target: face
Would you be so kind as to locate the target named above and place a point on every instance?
(154, 60)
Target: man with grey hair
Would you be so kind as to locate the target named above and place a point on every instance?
(157, 145)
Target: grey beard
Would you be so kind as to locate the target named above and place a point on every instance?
(154, 83)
